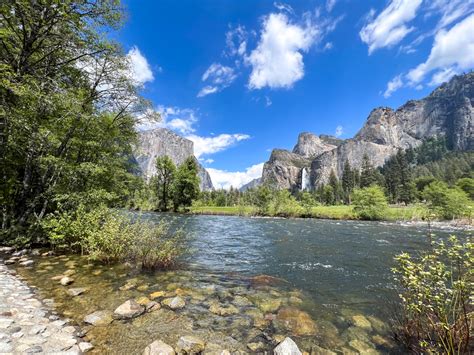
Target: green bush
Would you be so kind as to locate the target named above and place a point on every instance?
(155, 246)
(436, 298)
(370, 203)
(110, 236)
(467, 185)
(445, 202)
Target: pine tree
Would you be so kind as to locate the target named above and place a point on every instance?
(348, 181)
(336, 187)
(368, 175)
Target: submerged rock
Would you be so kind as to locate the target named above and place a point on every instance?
(296, 321)
(66, 280)
(99, 318)
(128, 310)
(287, 347)
(256, 346)
(174, 303)
(265, 280)
(223, 311)
(361, 322)
(190, 345)
(76, 291)
(158, 348)
(27, 263)
(157, 294)
(363, 347)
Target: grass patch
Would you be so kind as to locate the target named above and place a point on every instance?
(339, 212)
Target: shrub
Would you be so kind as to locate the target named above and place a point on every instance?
(436, 298)
(155, 246)
(369, 203)
(110, 236)
(445, 202)
(467, 185)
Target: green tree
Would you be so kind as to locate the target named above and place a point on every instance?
(165, 175)
(348, 181)
(445, 202)
(336, 188)
(66, 100)
(307, 202)
(368, 174)
(369, 202)
(186, 186)
(263, 197)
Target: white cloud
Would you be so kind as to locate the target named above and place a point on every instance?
(339, 131)
(393, 85)
(390, 26)
(225, 179)
(328, 46)
(211, 145)
(277, 61)
(236, 41)
(450, 11)
(140, 70)
(175, 118)
(452, 51)
(330, 5)
(442, 76)
(268, 101)
(219, 77)
(284, 7)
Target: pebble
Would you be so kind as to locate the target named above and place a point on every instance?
(24, 326)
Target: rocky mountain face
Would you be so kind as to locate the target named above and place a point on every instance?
(250, 185)
(448, 111)
(160, 142)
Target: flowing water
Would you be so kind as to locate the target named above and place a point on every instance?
(248, 283)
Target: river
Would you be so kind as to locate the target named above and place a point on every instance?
(327, 284)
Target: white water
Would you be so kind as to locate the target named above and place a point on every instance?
(304, 180)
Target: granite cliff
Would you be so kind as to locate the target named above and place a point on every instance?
(160, 142)
(448, 111)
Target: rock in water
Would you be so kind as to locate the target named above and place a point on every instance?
(190, 345)
(174, 303)
(99, 318)
(158, 348)
(76, 291)
(66, 281)
(128, 310)
(296, 321)
(287, 347)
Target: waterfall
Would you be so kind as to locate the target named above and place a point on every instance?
(304, 179)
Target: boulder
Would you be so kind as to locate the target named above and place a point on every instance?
(190, 345)
(158, 348)
(128, 310)
(287, 347)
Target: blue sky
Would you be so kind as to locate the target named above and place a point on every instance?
(240, 77)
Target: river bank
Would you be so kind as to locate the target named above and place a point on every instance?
(29, 325)
(403, 215)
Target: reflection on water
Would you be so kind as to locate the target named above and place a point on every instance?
(335, 286)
